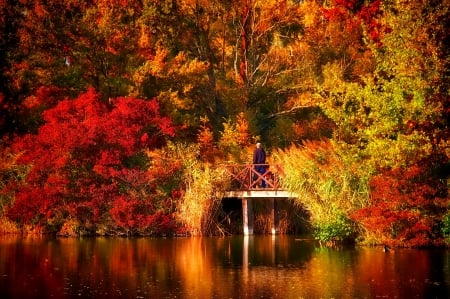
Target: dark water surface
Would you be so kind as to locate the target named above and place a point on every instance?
(231, 267)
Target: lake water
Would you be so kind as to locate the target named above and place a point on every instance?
(230, 267)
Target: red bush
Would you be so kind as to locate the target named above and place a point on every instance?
(88, 157)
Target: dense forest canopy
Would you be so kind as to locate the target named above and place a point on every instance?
(114, 113)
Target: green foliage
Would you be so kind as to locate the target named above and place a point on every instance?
(338, 229)
(373, 114)
(445, 227)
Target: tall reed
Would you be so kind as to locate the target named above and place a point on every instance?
(204, 185)
(201, 202)
(327, 188)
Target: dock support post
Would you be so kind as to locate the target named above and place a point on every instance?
(247, 216)
(275, 220)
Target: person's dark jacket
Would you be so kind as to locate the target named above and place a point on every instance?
(259, 156)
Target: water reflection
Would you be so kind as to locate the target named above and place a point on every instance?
(234, 267)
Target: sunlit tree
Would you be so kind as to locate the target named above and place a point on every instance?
(395, 118)
(87, 164)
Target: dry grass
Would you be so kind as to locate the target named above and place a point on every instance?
(8, 227)
(198, 207)
(201, 202)
(328, 187)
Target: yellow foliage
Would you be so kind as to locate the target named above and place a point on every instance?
(229, 135)
(311, 13)
(333, 76)
(175, 101)
(328, 186)
(154, 67)
(204, 187)
(235, 133)
(301, 100)
(193, 67)
(8, 227)
(144, 40)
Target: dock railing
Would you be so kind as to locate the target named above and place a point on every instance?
(246, 177)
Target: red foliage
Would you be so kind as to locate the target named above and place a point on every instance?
(406, 204)
(353, 14)
(88, 156)
(44, 97)
(368, 15)
(134, 214)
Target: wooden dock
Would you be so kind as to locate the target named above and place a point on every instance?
(246, 186)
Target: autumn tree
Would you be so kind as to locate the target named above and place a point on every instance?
(406, 205)
(395, 117)
(88, 166)
(193, 55)
(75, 45)
(224, 58)
(380, 78)
(381, 114)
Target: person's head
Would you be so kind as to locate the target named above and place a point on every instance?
(258, 145)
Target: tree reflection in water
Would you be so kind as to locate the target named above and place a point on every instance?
(232, 267)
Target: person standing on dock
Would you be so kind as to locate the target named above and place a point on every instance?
(259, 161)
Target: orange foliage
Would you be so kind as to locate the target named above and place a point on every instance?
(242, 128)
(406, 205)
(205, 136)
(317, 128)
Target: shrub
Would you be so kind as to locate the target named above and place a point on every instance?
(87, 154)
(337, 229)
